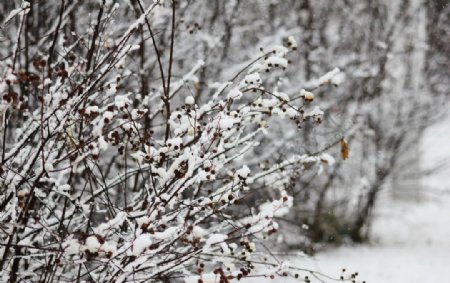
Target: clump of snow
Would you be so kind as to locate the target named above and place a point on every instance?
(334, 77)
(102, 143)
(291, 112)
(283, 96)
(138, 113)
(108, 115)
(215, 238)
(92, 244)
(226, 122)
(166, 234)
(307, 95)
(327, 158)
(316, 111)
(274, 62)
(122, 101)
(91, 109)
(279, 50)
(205, 108)
(292, 43)
(189, 100)
(175, 143)
(251, 81)
(234, 93)
(198, 232)
(141, 243)
(244, 172)
(138, 156)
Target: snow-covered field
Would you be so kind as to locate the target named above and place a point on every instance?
(411, 238)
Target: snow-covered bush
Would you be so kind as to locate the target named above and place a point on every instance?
(110, 175)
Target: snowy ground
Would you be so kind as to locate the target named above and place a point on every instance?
(411, 238)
